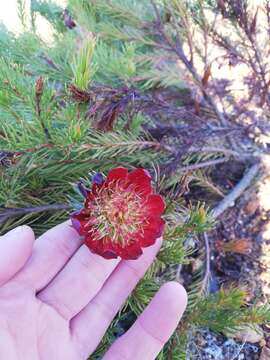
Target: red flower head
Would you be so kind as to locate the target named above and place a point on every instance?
(121, 215)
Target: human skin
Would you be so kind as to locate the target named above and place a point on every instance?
(57, 299)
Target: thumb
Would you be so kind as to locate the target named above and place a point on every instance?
(15, 249)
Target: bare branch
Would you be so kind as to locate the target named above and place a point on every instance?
(7, 213)
(202, 164)
(243, 184)
(207, 273)
(177, 48)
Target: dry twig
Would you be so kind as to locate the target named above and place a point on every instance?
(202, 164)
(243, 184)
(7, 213)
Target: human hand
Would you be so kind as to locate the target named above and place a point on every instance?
(57, 299)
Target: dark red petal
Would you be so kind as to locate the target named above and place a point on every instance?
(109, 250)
(139, 172)
(148, 240)
(141, 179)
(154, 205)
(102, 247)
(119, 173)
(91, 196)
(155, 225)
(131, 252)
(78, 220)
(151, 232)
(89, 241)
(109, 255)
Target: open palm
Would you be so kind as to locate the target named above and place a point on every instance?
(57, 299)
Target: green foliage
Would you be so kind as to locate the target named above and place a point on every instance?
(82, 66)
(155, 73)
(226, 311)
(22, 12)
(219, 311)
(52, 12)
(223, 312)
(141, 296)
(174, 250)
(115, 64)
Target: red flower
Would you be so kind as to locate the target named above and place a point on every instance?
(121, 215)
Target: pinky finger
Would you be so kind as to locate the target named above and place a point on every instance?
(146, 338)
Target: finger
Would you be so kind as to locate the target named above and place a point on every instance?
(96, 317)
(146, 338)
(50, 253)
(79, 281)
(15, 249)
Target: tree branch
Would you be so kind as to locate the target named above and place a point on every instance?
(207, 274)
(225, 151)
(243, 184)
(7, 213)
(202, 164)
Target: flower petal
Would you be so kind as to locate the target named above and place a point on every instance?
(82, 189)
(101, 247)
(109, 254)
(131, 252)
(77, 225)
(78, 220)
(155, 225)
(119, 173)
(97, 179)
(144, 211)
(155, 205)
(141, 179)
(148, 238)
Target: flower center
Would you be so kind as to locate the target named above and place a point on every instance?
(118, 213)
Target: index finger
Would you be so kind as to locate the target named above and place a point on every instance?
(51, 252)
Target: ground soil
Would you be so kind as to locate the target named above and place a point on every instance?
(247, 220)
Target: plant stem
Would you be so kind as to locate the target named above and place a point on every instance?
(243, 184)
(14, 212)
(202, 164)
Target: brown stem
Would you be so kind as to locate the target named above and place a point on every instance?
(7, 213)
(229, 152)
(150, 144)
(243, 184)
(202, 164)
(49, 62)
(33, 149)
